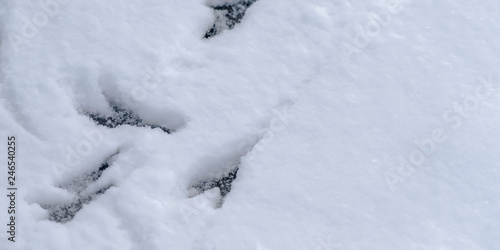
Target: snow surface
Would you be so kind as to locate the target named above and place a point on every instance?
(323, 104)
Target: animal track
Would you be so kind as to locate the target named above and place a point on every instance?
(66, 211)
(227, 16)
(224, 178)
(123, 116)
(222, 181)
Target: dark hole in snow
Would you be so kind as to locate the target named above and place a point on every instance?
(223, 182)
(123, 116)
(66, 211)
(227, 16)
(80, 183)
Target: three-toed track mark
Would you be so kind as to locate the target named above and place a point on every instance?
(66, 211)
(226, 175)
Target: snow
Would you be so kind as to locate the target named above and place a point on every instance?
(356, 125)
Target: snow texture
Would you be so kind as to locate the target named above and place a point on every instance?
(252, 125)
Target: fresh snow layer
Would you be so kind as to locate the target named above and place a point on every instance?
(355, 124)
